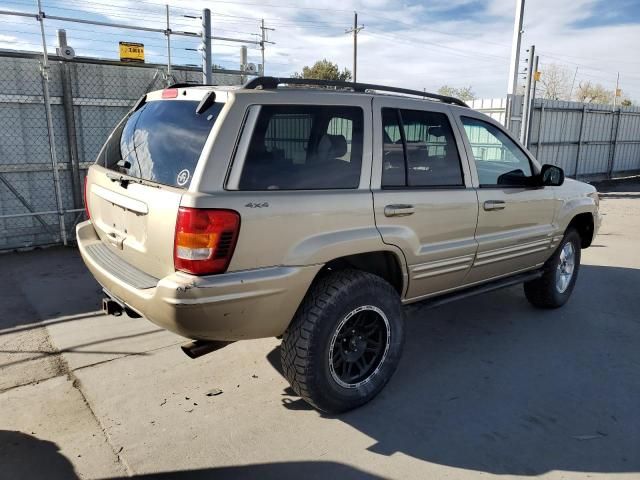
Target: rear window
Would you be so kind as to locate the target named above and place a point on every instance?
(161, 142)
(304, 147)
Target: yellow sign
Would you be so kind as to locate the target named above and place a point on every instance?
(537, 75)
(131, 52)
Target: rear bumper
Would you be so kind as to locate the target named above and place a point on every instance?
(232, 306)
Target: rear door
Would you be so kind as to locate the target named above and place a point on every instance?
(135, 187)
(423, 198)
(515, 230)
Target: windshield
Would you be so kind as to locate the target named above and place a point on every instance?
(160, 142)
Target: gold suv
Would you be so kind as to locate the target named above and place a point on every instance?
(280, 209)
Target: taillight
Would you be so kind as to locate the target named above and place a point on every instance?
(86, 205)
(170, 93)
(205, 240)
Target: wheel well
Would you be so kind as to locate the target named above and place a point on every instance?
(381, 263)
(583, 223)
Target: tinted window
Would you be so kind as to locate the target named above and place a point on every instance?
(161, 141)
(422, 143)
(393, 164)
(296, 147)
(499, 160)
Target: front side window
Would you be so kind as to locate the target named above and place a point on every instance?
(499, 160)
(304, 147)
(419, 150)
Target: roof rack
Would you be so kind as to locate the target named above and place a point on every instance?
(190, 84)
(271, 83)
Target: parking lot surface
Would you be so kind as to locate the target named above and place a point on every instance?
(487, 386)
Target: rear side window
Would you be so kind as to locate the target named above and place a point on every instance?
(304, 147)
(161, 142)
(419, 150)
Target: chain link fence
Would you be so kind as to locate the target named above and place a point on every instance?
(87, 99)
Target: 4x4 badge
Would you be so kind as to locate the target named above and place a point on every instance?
(257, 205)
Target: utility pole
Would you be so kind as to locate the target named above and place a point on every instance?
(243, 62)
(207, 73)
(536, 78)
(617, 90)
(355, 31)
(263, 41)
(512, 85)
(526, 109)
(169, 81)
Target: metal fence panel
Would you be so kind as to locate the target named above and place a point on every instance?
(26, 176)
(586, 140)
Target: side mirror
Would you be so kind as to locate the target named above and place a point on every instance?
(551, 176)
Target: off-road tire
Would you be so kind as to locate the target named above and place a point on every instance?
(307, 342)
(543, 292)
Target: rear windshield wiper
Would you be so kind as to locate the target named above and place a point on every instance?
(126, 180)
(208, 100)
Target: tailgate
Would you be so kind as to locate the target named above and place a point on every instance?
(137, 222)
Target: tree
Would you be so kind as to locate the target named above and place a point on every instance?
(593, 93)
(623, 100)
(324, 70)
(555, 82)
(466, 94)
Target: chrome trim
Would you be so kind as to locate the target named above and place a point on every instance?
(120, 200)
(507, 253)
(440, 267)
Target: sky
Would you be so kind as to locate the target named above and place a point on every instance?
(412, 44)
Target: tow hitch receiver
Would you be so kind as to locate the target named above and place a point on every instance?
(111, 307)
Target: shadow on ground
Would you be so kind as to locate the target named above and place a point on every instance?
(491, 384)
(56, 284)
(24, 456)
(626, 188)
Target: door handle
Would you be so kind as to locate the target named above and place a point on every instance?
(398, 210)
(494, 205)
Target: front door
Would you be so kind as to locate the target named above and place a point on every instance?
(423, 198)
(515, 230)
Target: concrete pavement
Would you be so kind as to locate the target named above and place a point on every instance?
(487, 386)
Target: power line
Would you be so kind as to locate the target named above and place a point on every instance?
(455, 51)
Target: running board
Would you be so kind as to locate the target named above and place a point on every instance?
(484, 288)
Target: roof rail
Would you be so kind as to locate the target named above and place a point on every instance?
(273, 82)
(190, 84)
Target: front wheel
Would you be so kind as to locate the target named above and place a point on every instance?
(554, 288)
(345, 341)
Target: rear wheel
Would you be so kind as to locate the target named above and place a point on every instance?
(554, 288)
(345, 341)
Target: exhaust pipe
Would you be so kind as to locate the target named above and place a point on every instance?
(198, 348)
